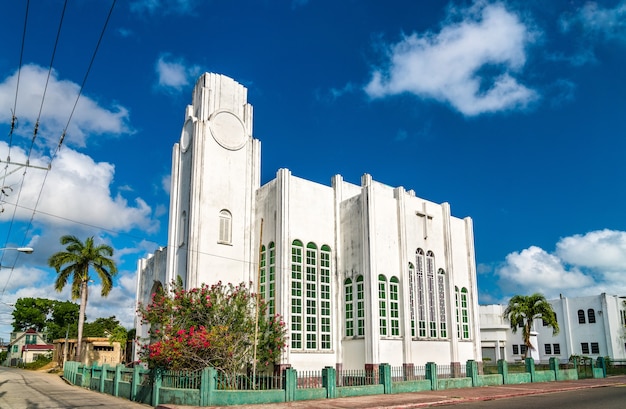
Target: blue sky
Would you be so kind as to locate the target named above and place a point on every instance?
(513, 112)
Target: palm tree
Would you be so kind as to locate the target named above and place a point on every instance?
(77, 258)
(522, 310)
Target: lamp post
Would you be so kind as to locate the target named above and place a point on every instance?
(27, 250)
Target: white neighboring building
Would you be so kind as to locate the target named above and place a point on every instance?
(592, 326)
(362, 274)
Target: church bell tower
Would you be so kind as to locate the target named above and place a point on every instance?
(215, 174)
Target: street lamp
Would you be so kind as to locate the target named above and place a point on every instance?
(27, 250)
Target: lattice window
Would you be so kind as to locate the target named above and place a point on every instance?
(263, 275)
(465, 314)
(421, 297)
(360, 306)
(581, 316)
(394, 306)
(382, 304)
(296, 294)
(271, 299)
(325, 297)
(349, 307)
(412, 297)
(432, 306)
(311, 296)
(441, 287)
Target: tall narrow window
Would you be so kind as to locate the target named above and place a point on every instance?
(394, 306)
(349, 307)
(263, 275)
(382, 304)
(421, 298)
(271, 299)
(441, 287)
(412, 297)
(296, 294)
(225, 227)
(430, 274)
(360, 306)
(581, 316)
(591, 314)
(325, 297)
(464, 314)
(311, 296)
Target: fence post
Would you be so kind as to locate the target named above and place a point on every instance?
(103, 376)
(384, 371)
(207, 386)
(329, 381)
(134, 383)
(602, 364)
(471, 370)
(291, 383)
(530, 368)
(431, 374)
(554, 366)
(156, 386)
(503, 369)
(117, 379)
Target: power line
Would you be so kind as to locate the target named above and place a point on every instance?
(30, 222)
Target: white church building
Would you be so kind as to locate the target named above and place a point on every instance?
(591, 326)
(361, 274)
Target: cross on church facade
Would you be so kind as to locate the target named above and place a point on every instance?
(426, 217)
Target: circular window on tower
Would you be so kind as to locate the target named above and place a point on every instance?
(228, 130)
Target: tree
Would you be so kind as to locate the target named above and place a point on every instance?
(74, 264)
(31, 313)
(100, 327)
(51, 317)
(522, 310)
(211, 326)
(63, 321)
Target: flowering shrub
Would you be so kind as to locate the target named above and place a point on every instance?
(211, 326)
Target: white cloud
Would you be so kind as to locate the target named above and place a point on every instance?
(77, 190)
(535, 270)
(173, 74)
(89, 118)
(452, 65)
(603, 250)
(597, 21)
(587, 264)
(164, 7)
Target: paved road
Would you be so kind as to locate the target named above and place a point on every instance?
(21, 389)
(610, 397)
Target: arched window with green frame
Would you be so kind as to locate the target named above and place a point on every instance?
(394, 306)
(349, 307)
(296, 294)
(382, 304)
(360, 306)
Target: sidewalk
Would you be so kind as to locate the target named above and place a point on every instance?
(432, 398)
